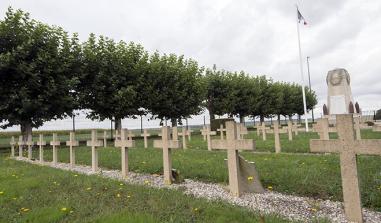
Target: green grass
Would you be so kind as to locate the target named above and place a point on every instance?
(42, 194)
(292, 173)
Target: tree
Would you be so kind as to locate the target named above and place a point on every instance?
(172, 87)
(108, 83)
(36, 72)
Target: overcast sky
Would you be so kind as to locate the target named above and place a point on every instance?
(257, 36)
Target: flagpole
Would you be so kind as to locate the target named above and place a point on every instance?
(301, 73)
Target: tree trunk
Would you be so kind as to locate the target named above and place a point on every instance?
(242, 119)
(279, 119)
(26, 130)
(174, 122)
(262, 118)
(118, 124)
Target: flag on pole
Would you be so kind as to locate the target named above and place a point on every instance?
(300, 17)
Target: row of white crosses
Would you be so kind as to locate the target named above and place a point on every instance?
(348, 147)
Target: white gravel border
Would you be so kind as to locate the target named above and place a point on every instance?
(288, 206)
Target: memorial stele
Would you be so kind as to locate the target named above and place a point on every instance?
(340, 97)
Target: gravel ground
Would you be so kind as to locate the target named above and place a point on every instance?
(291, 207)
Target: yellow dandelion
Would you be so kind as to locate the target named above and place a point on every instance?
(144, 162)
(14, 198)
(63, 209)
(121, 184)
(314, 209)
(250, 178)
(1, 192)
(89, 188)
(270, 187)
(75, 175)
(25, 209)
(195, 209)
(118, 195)
(146, 182)
(71, 212)
(50, 191)
(128, 196)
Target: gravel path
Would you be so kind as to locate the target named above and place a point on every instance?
(288, 206)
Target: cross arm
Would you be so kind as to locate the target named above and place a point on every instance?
(326, 146)
(243, 144)
(368, 146)
(174, 144)
(126, 143)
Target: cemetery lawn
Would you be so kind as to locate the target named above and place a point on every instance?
(32, 193)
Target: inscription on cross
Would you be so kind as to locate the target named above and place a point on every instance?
(348, 147)
(54, 143)
(94, 143)
(145, 135)
(237, 183)
(167, 145)
(41, 143)
(124, 145)
(72, 143)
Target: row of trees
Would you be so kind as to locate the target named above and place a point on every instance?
(46, 74)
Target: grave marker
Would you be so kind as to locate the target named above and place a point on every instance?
(130, 135)
(94, 143)
(295, 129)
(357, 127)
(184, 139)
(54, 143)
(12, 143)
(124, 145)
(167, 145)
(348, 147)
(20, 144)
(145, 135)
(30, 144)
(276, 137)
(189, 133)
(238, 182)
(258, 127)
(289, 129)
(208, 134)
(104, 139)
(71, 143)
(221, 130)
(41, 143)
(322, 128)
(204, 132)
(263, 128)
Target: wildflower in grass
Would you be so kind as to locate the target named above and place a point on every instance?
(128, 196)
(1, 192)
(313, 209)
(89, 188)
(144, 162)
(75, 175)
(250, 178)
(121, 184)
(14, 198)
(63, 209)
(270, 187)
(146, 182)
(118, 195)
(71, 212)
(24, 209)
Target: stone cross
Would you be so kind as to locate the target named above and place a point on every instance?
(104, 139)
(289, 129)
(130, 135)
(71, 143)
(12, 143)
(263, 128)
(322, 128)
(189, 133)
(94, 143)
(243, 130)
(295, 127)
(232, 144)
(30, 144)
(208, 134)
(145, 135)
(204, 132)
(54, 143)
(175, 133)
(258, 127)
(221, 130)
(167, 145)
(20, 143)
(41, 143)
(117, 135)
(357, 127)
(184, 139)
(276, 137)
(348, 147)
(124, 145)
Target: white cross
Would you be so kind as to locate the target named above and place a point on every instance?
(124, 145)
(276, 137)
(208, 134)
(145, 135)
(20, 144)
(289, 129)
(166, 144)
(30, 144)
(104, 139)
(54, 143)
(71, 143)
(348, 147)
(232, 145)
(41, 143)
(221, 130)
(204, 132)
(94, 143)
(12, 143)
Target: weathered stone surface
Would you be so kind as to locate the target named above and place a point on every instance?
(339, 91)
